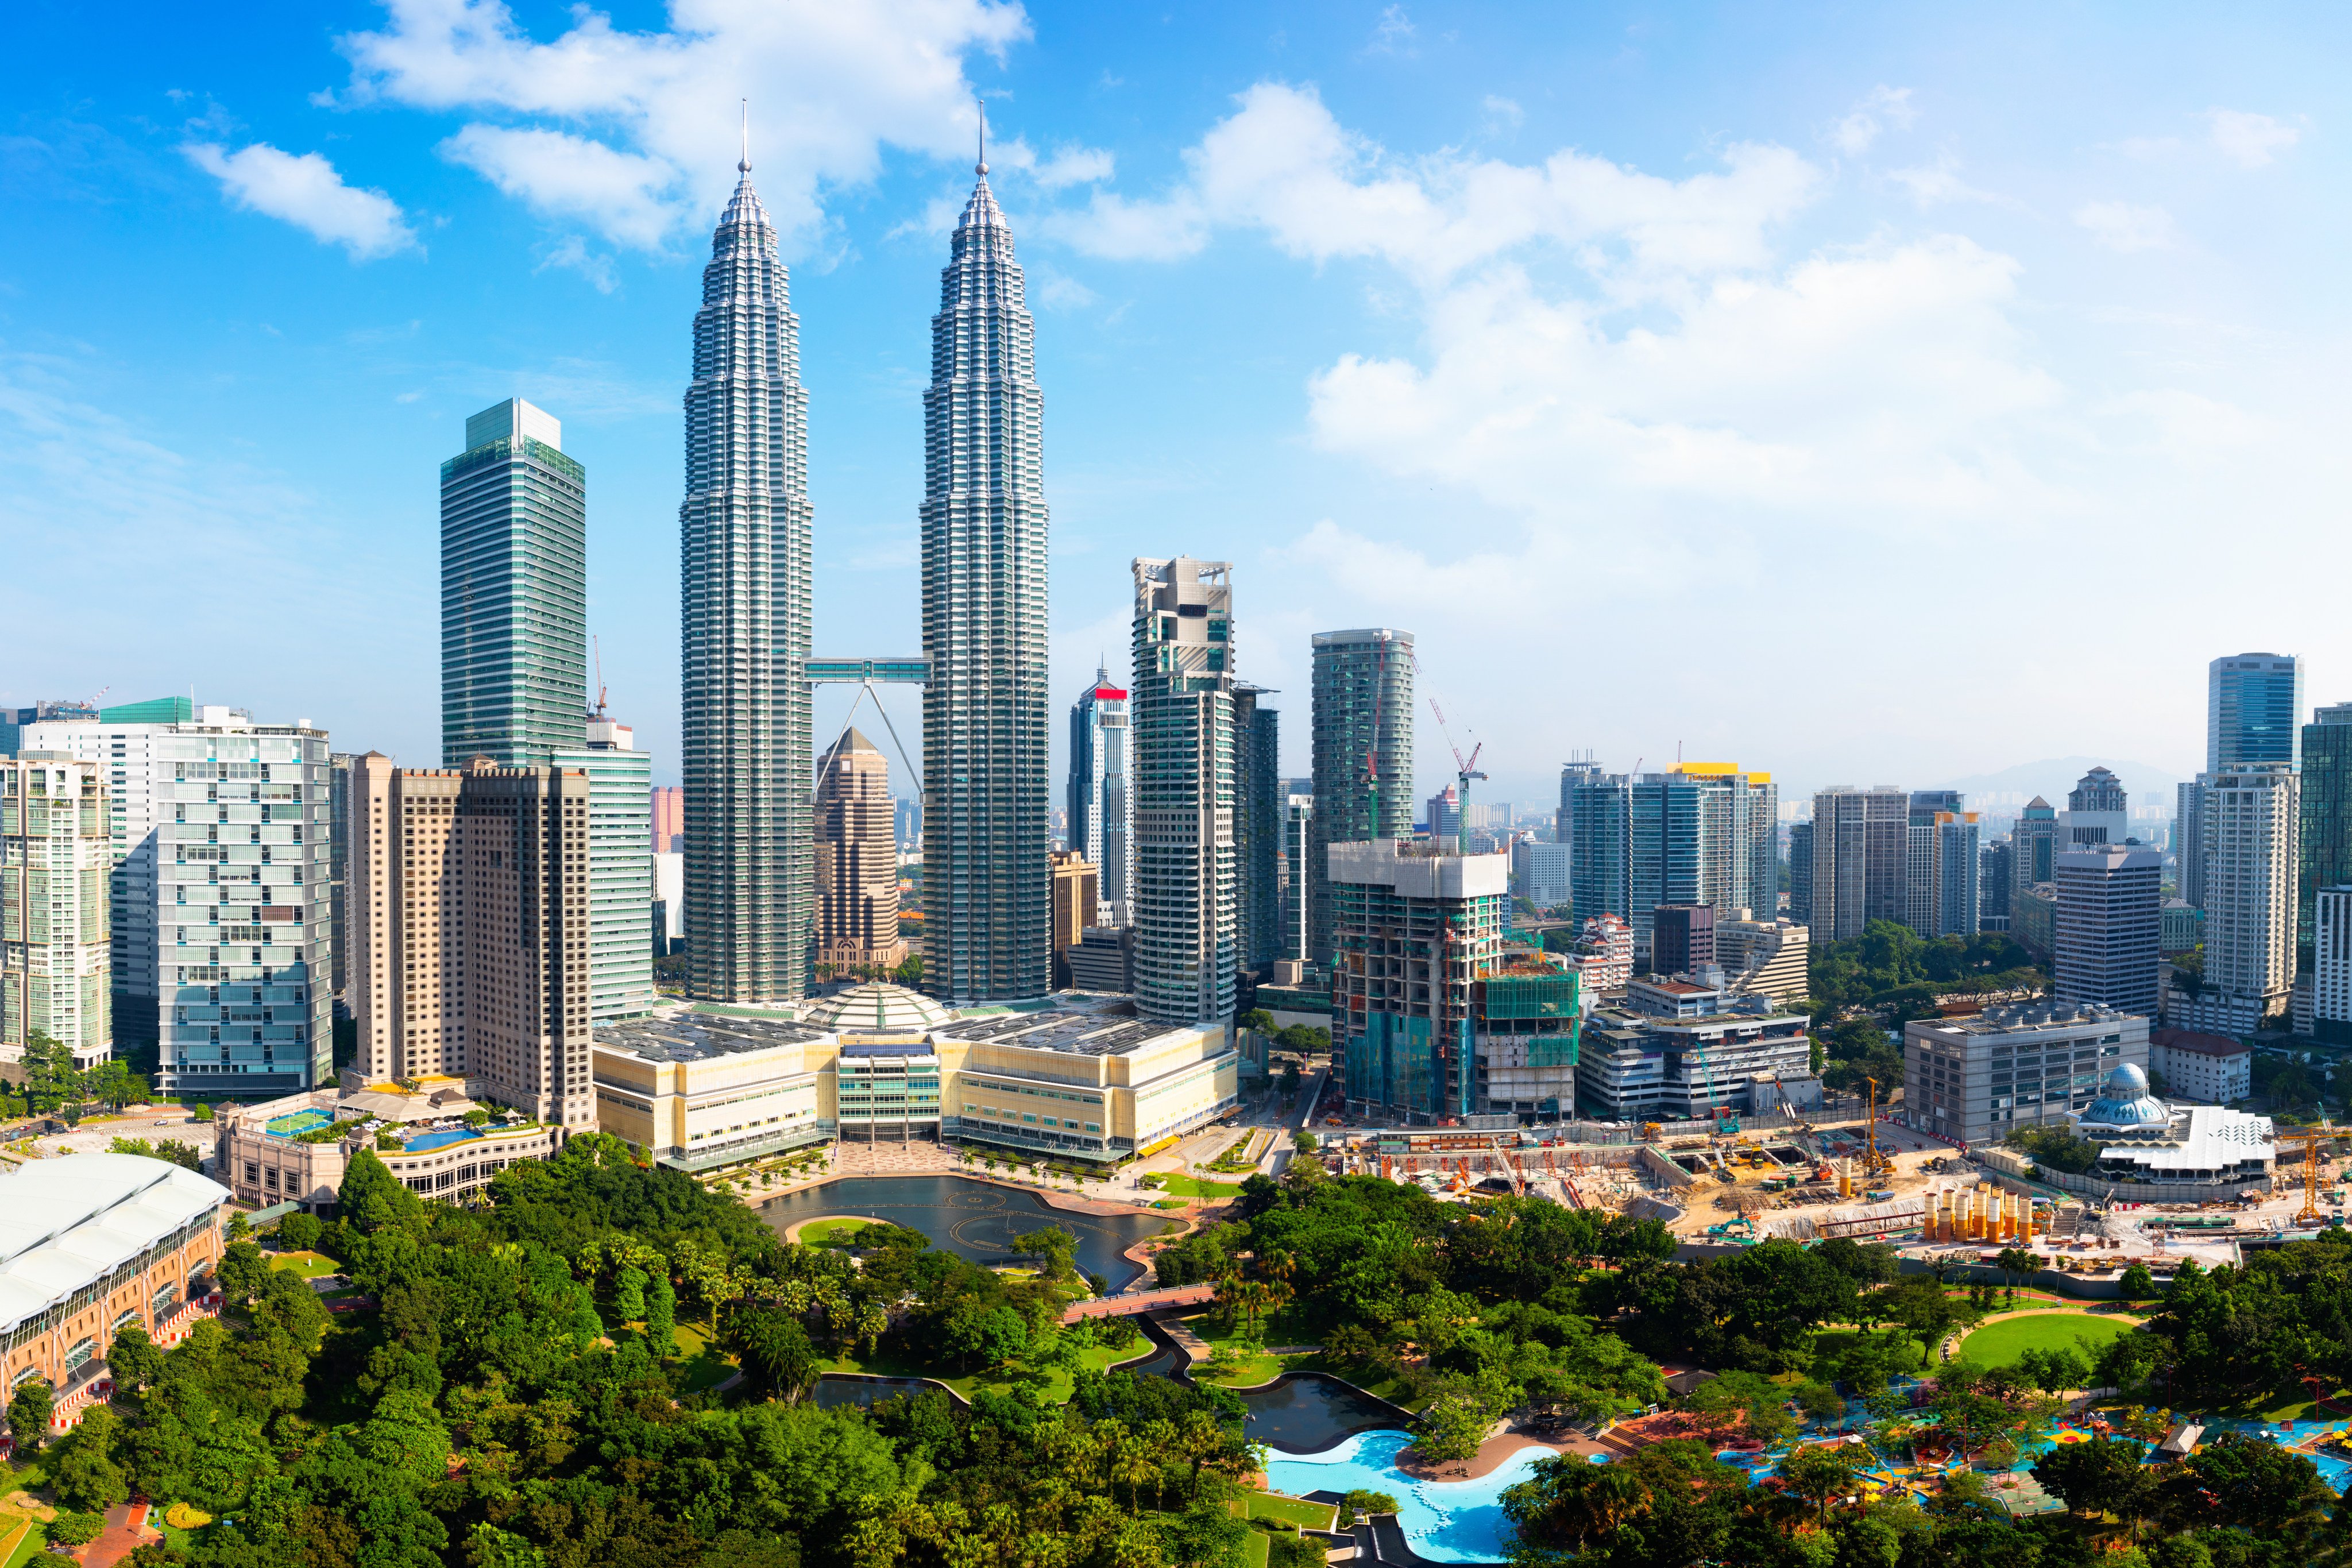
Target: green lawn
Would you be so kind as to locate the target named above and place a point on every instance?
(310, 1265)
(1177, 1187)
(2001, 1343)
(817, 1230)
(22, 1541)
(1290, 1511)
(706, 1366)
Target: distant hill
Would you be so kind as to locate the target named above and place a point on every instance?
(2052, 776)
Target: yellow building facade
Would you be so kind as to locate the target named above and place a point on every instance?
(702, 1091)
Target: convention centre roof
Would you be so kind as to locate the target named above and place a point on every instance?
(66, 1223)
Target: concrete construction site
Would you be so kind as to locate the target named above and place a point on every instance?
(1720, 1185)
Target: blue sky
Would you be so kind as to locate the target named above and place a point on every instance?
(1857, 393)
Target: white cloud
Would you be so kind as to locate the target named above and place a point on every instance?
(572, 253)
(2119, 226)
(1502, 114)
(1932, 185)
(1881, 107)
(1393, 33)
(308, 193)
(1056, 289)
(626, 198)
(1282, 164)
(2249, 140)
(1069, 166)
(637, 131)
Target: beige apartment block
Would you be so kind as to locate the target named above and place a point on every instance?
(470, 924)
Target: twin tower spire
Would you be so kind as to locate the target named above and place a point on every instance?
(746, 581)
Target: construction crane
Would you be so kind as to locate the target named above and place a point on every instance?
(2309, 1214)
(597, 645)
(1874, 1163)
(1464, 770)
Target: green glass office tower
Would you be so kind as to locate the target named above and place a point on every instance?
(987, 881)
(2324, 843)
(514, 591)
(744, 534)
(1362, 684)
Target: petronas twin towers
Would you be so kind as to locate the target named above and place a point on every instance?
(746, 584)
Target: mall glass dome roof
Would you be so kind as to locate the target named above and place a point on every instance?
(876, 1007)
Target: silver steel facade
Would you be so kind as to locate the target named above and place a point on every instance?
(1187, 870)
(514, 591)
(987, 880)
(744, 585)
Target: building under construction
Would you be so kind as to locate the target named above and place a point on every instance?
(1432, 1023)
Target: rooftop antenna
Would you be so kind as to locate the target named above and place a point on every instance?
(982, 167)
(745, 166)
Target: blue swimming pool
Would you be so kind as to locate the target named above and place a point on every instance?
(1446, 1521)
(439, 1139)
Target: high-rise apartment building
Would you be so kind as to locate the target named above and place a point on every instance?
(2188, 839)
(2034, 844)
(2324, 845)
(1442, 813)
(857, 861)
(1257, 825)
(2252, 817)
(1187, 892)
(469, 894)
(1100, 820)
(1363, 683)
(1297, 945)
(1706, 833)
(1077, 897)
(2097, 812)
(1416, 925)
(1682, 938)
(669, 819)
(55, 852)
(1996, 876)
(514, 591)
(620, 868)
(1763, 957)
(1540, 873)
(1861, 858)
(744, 585)
(338, 859)
(1941, 874)
(222, 887)
(2331, 964)
(2108, 926)
(2253, 705)
(1800, 873)
(987, 887)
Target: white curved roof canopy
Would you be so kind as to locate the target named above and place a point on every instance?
(66, 1224)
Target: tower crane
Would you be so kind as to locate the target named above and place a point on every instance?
(1464, 770)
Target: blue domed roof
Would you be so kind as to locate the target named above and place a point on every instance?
(2123, 1101)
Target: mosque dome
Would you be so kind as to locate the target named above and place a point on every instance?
(876, 1007)
(2123, 1101)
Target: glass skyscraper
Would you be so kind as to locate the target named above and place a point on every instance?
(1100, 818)
(2253, 706)
(1362, 744)
(1187, 878)
(514, 591)
(987, 878)
(744, 585)
(1257, 824)
(620, 868)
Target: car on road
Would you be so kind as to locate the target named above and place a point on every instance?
(166, 1122)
